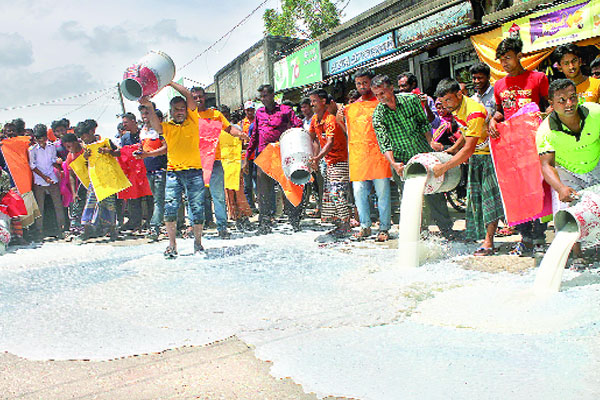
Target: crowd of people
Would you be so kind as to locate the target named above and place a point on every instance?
(360, 149)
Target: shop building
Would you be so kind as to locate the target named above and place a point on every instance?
(237, 81)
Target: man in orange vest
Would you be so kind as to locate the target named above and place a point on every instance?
(368, 167)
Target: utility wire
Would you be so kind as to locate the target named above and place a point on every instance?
(86, 104)
(49, 102)
(225, 35)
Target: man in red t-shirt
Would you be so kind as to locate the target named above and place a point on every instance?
(334, 149)
(519, 88)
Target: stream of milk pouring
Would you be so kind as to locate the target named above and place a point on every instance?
(551, 269)
(410, 221)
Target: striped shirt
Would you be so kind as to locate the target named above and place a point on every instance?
(471, 118)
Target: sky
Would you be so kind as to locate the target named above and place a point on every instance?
(52, 49)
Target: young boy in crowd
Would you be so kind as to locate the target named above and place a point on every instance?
(97, 214)
(519, 88)
(568, 58)
(78, 189)
(43, 160)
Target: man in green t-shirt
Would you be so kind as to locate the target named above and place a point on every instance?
(568, 142)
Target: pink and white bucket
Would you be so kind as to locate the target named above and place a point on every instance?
(583, 217)
(148, 76)
(423, 163)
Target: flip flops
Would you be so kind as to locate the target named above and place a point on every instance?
(506, 231)
(484, 251)
(521, 250)
(382, 236)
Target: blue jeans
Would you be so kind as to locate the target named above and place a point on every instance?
(217, 192)
(208, 214)
(157, 180)
(190, 181)
(362, 190)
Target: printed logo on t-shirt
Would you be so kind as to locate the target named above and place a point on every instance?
(514, 99)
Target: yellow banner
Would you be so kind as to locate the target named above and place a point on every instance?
(570, 22)
(79, 166)
(231, 156)
(105, 172)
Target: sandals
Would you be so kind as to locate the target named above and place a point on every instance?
(521, 250)
(314, 214)
(506, 231)
(363, 233)
(382, 236)
(484, 251)
(170, 253)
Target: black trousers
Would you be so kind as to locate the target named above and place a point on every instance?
(265, 195)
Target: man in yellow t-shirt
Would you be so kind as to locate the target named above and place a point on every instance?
(484, 203)
(217, 178)
(569, 62)
(184, 167)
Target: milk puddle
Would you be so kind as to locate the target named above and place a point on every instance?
(410, 221)
(549, 275)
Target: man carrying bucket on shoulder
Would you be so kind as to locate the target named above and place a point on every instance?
(484, 202)
(568, 142)
(184, 167)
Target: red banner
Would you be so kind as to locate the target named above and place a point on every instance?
(518, 168)
(135, 171)
(209, 131)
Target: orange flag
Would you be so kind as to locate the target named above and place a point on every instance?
(269, 160)
(209, 131)
(16, 156)
(365, 158)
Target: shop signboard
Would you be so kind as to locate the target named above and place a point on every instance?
(570, 22)
(446, 21)
(299, 68)
(375, 48)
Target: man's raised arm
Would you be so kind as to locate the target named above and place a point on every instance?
(191, 103)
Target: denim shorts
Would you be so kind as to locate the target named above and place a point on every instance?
(191, 182)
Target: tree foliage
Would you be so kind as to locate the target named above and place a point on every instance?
(303, 18)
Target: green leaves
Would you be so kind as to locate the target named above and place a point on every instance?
(304, 18)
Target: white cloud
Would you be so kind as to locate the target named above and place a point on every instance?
(66, 47)
(16, 50)
(119, 39)
(19, 87)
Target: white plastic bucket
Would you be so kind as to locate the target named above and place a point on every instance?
(296, 149)
(148, 76)
(423, 163)
(5, 235)
(583, 217)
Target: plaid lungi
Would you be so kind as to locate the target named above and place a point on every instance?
(335, 193)
(484, 202)
(99, 213)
